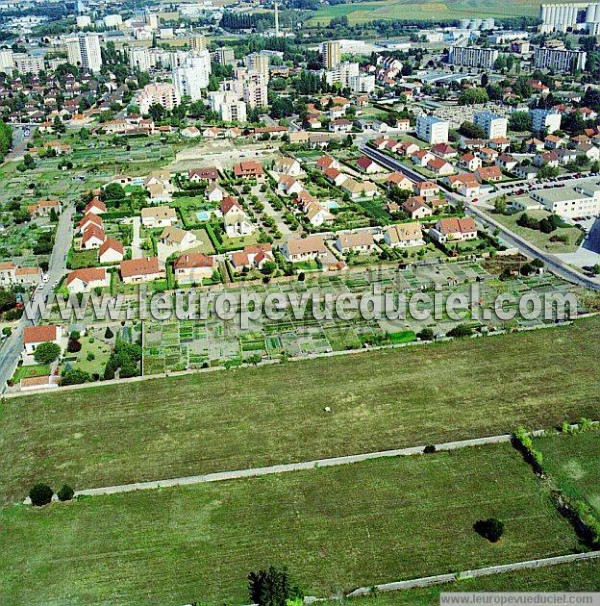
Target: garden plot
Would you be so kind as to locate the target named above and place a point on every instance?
(192, 344)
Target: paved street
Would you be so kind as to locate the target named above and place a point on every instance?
(11, 350)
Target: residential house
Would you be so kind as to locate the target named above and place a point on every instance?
(95, 206)
(158, 216)
(507, 162)
(368, 166)
(198, 175)
(416, 208)
(317, 214)
(488, 155)
(236, 221)
(90, 220)
(324, 163)
(28, 275)
(359, 190)
(287, 166)
(404, 235)
(465, 184)
(193, 268)
(249, 170)
(312, 247)
(421, 157)
(134, 271)
(93, 237)
(7, 273)
(44, 208)
(340, 125)
(440, 167)
(36, 335)
(252, 256)
(445, 151)
(454, 230)
(356, 242)
(399, 180)
(214, 193)
(469, 162)
(111, 251)
(84, 280)
(489, 174)
(288, 185)
(333, 175)
(174, 240)
(546, 159)
(426, 189)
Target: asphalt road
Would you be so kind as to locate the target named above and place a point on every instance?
(13, 346)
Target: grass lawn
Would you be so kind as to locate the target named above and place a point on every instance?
(84, 258)
(539, 239)
(573, 461)
(240, 418)
(32, 370)
(578, 576)
(101, 352)
(336, 528)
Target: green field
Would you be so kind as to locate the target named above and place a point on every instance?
(579, 576)
(540, 239)
(336, 528)
(241, 418)
(572, 460)
(362, 12)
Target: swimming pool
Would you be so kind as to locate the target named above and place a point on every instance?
(203, 215)
(331, 204)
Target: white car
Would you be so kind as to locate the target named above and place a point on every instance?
(45, 278)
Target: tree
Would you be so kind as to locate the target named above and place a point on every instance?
(114, 191)
(40, 494)
(426, 334)
(108, 333)
(490, 529)
(66, 493)
(75, 377)
(272, 587)
(471, 130)
(473, 96)
(500, 205)
(73, 346)
(462, 330)
(520, 122)
(8, 300)
(46, 353)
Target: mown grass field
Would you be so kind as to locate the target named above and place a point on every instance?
(235, 419)
(579, 576)
(362, 12)
(336, 528)
(574, 462)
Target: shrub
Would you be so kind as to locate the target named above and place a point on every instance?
(46, 353)
(491, 529)
(108, 333)
(462, 330)
(40, 494)
(73, 346)
(429, 449)
(426, 334)
(66, 493)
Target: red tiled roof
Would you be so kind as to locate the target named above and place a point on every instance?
(39, 334)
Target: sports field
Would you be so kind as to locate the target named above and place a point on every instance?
(362, 12)
(163, 428)
(335, 528)
(572, 460)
